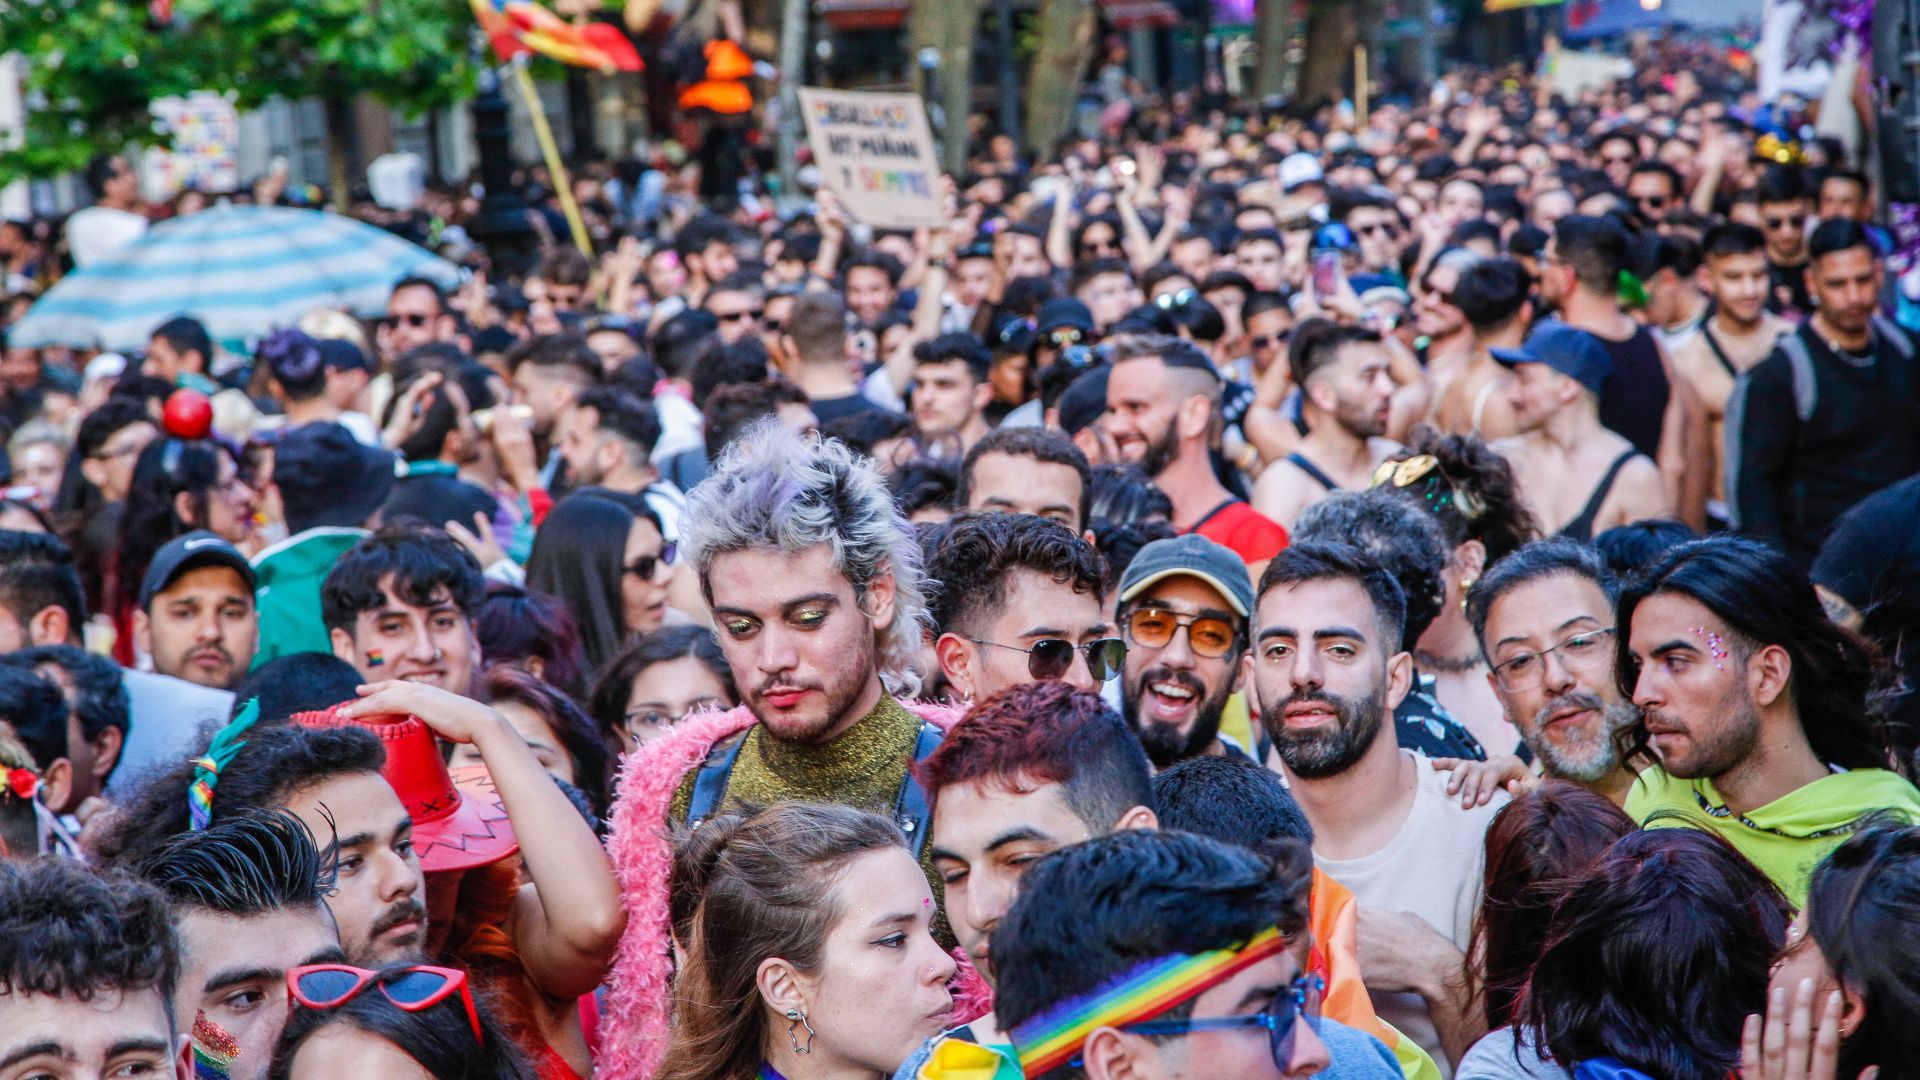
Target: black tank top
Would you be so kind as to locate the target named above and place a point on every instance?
(1633, 399)
(1581, 527)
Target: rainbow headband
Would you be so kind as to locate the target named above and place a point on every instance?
(1051, 1039)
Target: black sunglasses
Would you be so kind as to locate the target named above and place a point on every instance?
(646, 566)
(736, 316)
(1049, 658)
(413, 319)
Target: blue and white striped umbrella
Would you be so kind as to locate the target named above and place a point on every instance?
(241, 270)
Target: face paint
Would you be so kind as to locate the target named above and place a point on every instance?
(1716, 645)
(214, 1049)
(375, 658)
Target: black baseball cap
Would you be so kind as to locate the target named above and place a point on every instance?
(190, 552)
(1064, 312)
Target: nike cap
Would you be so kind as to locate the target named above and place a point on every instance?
(190, 552)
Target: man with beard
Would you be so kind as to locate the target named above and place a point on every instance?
(1734, 338)
(1183, 607)
(248, 899)
(196, 616)
(1326, 669)
(1018, 601)
(1762, 711)
(331, 781)
(814, 580)
(1828, 417)
(1544, 617)
(1163, 402)
(1346, 396)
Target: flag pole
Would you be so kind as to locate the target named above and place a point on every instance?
(551, 151)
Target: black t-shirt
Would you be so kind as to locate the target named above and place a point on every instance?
(1788, 294)
(831, 409)
(1633, 398)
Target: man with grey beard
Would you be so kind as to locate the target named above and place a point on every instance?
(1545, 619)
(1327, 665)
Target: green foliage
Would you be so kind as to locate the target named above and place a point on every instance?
(92, 66)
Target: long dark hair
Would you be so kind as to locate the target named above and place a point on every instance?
(579, 557)
(1862, 906)
(1838, 679)
(439, 1038)
(1657, 957)
(166, 469)
(1538, 846)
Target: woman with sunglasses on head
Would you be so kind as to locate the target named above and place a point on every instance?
(805, 933)
(402, 1023)
(607, 560)
(1844, 997)
(658, 680)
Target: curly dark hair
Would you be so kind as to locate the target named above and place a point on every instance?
(68, 932)
(1471, 492)
(977, 555)
(422, 562)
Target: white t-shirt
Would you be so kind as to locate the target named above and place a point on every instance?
(1431, 868)
(99, 231)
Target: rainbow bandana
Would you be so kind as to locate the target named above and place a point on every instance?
(1051, 1039)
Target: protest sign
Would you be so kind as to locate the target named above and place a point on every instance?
(875, 151)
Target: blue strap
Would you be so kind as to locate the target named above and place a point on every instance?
(911, 811)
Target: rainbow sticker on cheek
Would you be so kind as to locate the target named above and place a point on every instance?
(1716, 646)
(214, 1049)
(376, 658)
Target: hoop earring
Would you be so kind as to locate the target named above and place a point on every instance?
(797, 1018)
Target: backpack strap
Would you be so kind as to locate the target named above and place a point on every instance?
(1806, 392)
(710, 783)
(911, 810)
(1892, 333)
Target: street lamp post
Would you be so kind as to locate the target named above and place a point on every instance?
(502, 223)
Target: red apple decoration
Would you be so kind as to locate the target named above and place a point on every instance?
(188, 415)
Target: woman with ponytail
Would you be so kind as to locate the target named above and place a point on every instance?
(807, 950)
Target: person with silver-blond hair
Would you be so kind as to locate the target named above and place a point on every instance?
(814, 580)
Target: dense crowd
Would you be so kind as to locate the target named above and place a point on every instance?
(1257, 594)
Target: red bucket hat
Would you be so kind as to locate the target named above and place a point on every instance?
(459, 822)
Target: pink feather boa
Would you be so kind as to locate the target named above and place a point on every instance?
(634, 1026)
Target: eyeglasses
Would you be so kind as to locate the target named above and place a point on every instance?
(646, 566)
(648, 719)
(1653, 202)
(413, 989)
(736, 316)
(1261, 341)
(1207, 635)
(1528, 670)
(1062, 338)
(415, 319)
(1796, 221)
(1178, 299)
(1049, 658)
(1299, 1001)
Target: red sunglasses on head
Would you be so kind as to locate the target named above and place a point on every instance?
(414, 989)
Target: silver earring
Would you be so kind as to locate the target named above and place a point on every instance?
(796, 1018)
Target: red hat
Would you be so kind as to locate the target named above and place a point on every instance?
(459, 821)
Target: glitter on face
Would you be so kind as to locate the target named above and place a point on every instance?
(1716, 646)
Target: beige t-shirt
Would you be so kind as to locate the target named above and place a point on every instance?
(1431, 868)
